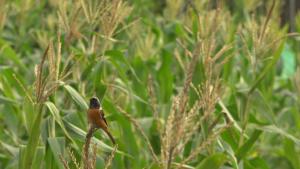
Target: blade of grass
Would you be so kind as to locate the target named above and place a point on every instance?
(55, 113)
(76, 97)
(57, 145)
(276, 130)
(212, 162)
(267, 68)
(33, 140)
(242, 151)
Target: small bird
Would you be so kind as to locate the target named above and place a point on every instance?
(96, 117)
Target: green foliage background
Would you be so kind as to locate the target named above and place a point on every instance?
(114, 60)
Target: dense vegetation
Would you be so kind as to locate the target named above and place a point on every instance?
(184, 84)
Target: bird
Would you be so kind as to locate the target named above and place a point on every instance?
(96, 117)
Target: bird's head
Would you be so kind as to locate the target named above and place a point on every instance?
(94, 103)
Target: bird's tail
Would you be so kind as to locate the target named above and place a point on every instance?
(110, 136)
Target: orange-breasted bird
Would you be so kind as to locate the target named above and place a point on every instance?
(96, 117)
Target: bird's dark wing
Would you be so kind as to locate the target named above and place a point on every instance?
(102, 116)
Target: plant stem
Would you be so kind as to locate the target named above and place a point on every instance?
(89, 136)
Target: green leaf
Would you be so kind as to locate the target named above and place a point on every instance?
(291, 154)
(128, 135)
(39, 157)
(276, 130)
(33, 140)
(165, 77)
(55, 113)
(267, 68)
(259, 163)
(6, 52)
(76, 97)
(262, 107)
(10, 148)
(57, 145)
(230, 154)
(4, 99)
(22, 154)
(79, 100)
(242, 151)
(212, 162)
(122, 87)
(28, 113)
(117, 57)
